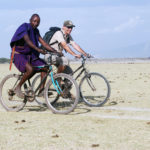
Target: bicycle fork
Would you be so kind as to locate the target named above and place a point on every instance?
(56, 85)
(88, 79)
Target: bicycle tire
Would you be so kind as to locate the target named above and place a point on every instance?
(63, 105)
(38, 99)
(35, 82)
(94, 89)
(7, 98)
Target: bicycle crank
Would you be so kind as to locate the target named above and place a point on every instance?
(30, 95)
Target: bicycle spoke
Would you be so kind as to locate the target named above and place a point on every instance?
(95, 89)
(8, 98)
(66, 99)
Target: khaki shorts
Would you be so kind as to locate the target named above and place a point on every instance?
(56, 60)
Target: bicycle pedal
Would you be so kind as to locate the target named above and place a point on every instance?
(30, 95)
(11, 92)
(10, 98)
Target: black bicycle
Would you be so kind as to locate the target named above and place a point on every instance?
(94, 87)
(60, 86)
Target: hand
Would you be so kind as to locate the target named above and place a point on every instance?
(77, 56)
(42, 51)
(88, 55)
(60, 54)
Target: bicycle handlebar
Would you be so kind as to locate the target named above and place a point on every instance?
(85, 57)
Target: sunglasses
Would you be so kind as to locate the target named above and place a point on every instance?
(69, 27)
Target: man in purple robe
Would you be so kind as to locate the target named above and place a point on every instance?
(27, 51)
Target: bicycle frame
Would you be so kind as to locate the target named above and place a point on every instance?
(49, 73)
(56, 85)
(81, 67)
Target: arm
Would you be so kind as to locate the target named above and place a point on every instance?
(30, 43)
(68, 49)
(78, 48)
(49, 48)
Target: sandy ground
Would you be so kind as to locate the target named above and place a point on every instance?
(123, 123)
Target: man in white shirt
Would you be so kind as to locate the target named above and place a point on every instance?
(62, 39)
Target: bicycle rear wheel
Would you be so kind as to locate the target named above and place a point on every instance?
(8, 99)
(65, 95)
(94, 89)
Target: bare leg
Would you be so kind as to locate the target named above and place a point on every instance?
(61, 69)
(43, 75)
(28, 74)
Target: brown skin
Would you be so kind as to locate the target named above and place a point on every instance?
(34, 21)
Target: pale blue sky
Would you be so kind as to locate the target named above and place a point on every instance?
(104, 28)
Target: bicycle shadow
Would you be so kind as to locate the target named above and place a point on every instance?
(111, 103)
(78, 110)
(81, 108)
(36, 108)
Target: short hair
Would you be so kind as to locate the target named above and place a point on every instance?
(34, 15)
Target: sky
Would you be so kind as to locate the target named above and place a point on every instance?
(104, 28)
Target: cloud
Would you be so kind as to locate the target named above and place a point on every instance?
(99, 24)
(131, 23)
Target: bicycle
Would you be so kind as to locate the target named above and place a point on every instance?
(94, 87)
(58, 84)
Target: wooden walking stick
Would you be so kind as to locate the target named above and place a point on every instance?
(12, 57)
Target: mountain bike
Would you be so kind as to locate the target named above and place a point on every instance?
(94, 87)
(59, 86)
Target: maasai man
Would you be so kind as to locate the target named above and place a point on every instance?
(27, 51)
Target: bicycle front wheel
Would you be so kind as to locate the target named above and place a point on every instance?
(64, 94)
(8, 98)
(94, 89)
(36, 81)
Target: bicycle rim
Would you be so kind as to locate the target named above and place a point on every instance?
(7, 97)
(36, 81)
(66, 101)
(94, 89)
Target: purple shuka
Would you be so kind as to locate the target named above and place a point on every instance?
(26, 53)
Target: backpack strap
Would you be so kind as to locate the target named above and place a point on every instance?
(53, 35)
(54, 43)
(57, 41)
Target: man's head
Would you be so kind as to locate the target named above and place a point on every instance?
(35, 20)
(67, 26)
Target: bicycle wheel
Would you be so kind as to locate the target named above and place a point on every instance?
(65, 90)
(8, 99)
(94, 89)
(36, 81)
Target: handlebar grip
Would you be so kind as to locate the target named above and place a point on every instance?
(82, 56)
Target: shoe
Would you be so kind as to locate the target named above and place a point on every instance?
(71, 96)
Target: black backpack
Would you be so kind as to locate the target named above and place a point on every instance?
(49, 34)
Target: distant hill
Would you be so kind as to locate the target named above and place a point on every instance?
(4, 60)
(132, 51)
